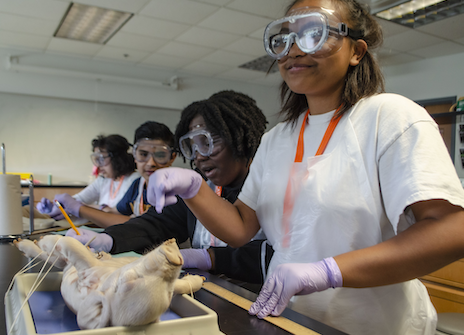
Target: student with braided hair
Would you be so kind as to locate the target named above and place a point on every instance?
(219, 136)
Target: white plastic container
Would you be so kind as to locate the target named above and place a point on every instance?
(195, 319)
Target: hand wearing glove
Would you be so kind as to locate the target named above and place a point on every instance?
(70, 205)
(102, 241)
(45, 206)
(196, 258)
(295, 279)
(165, 184)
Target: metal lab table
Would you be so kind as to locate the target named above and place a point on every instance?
(233, 320)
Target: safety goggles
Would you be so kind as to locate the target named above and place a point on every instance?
(100, 159)
(316, 31)
(145, 148)
(201, 141)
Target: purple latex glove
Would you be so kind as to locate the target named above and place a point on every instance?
(196, 258)
(295, 279)
(70, 205)
(45, 206)
(166, 183)
(102, 241)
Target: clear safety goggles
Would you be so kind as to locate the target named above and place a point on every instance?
(316, 31)
(145, 148)
(100, 159)
(201, 141)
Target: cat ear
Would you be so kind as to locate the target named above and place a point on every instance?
(94, 312)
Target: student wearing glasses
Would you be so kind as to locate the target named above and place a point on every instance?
(116, 173)
(154, 148)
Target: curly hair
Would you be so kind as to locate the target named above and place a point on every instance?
(234, 116)
(117, 147)
(363, 80)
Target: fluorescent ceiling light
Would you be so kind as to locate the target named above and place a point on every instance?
(91, 24)
(417, 13)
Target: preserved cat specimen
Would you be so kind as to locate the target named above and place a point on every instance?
(108, 291)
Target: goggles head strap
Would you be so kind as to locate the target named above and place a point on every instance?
(345, 31)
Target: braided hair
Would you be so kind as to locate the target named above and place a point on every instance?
(234, 116)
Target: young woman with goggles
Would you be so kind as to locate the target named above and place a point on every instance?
(153, 149)
(115, 175)
(355, 190)
(219, 136)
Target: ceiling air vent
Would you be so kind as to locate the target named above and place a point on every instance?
(263, 64)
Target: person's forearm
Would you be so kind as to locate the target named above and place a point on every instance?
(426, 246)
(100, 218)
(220, 217)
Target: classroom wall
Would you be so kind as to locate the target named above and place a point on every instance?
(44, 135)
(47, 122)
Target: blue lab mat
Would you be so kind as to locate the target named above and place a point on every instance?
(51, 315)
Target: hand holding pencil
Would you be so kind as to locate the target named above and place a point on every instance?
(66, 216)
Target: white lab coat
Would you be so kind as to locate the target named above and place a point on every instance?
(385, 154)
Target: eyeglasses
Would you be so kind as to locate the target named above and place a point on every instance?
(316, 31)
(202, 141)
(144, 149)
(99, 160)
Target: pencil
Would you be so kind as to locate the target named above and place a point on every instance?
(67, 217)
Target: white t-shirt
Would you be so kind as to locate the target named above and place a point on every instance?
(100, 191)
(391, 148)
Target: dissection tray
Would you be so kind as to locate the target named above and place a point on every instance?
(185, 315)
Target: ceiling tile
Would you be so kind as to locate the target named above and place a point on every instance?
(272, 9)
(148, 26)
(216, 2)
(184, 50)
(410, 40)
(437, 50)
(165, 61)
(131, 6)
(234, 22)
(183, 11)
(241, 74)
(79, 48)
(391, 28)
(248, 46)
(386, 52)
(399, 58)
(228, 58)
(205, 68)
(136, 42)
(24, 24)
(272, 79)
(258, 34)
(29, 41)
(207, 37)
(43, 9)
(448, 29)
(121, 54)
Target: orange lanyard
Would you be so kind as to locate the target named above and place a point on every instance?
(113, 195)
(143, 208)
(325, 140)
(289, 196)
